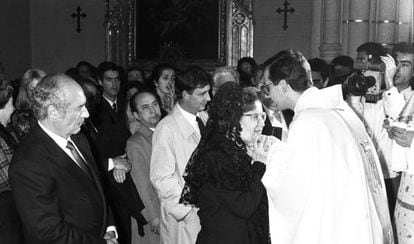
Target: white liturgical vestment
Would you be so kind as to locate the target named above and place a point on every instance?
(325, 183)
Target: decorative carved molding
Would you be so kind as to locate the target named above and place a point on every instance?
(121, 35)
(241, 32)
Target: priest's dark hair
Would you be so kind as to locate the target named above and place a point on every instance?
(288, 65)
(192, 78)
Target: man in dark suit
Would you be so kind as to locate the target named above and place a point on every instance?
(112, 136)
(53, 174)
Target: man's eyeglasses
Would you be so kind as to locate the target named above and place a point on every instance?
(265, 88)
(256, 116)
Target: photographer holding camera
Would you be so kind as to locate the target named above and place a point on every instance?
(397, 78)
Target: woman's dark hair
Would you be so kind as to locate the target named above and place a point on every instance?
(222, 134)
(155, 75)
(157, 71)
(226, 110)
(6, 92)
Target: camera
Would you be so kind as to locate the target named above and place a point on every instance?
(366, 80)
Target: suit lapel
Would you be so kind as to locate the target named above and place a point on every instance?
(65, 164)
(146, 132)
(60, 157)
(85, 150)
(184, 126)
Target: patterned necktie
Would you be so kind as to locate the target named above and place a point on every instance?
(201, 125)
(79, 160)
(114, 107)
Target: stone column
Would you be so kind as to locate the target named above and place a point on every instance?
(386, 22)
(358, 25)
(331, 45)
(316, 28)
(404, 31)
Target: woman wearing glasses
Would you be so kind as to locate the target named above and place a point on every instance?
(223, 176)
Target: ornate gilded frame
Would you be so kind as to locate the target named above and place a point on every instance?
(235, 38)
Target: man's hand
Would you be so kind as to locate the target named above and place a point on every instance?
(401, 136)
(121, 162)
(155, 226)
(390, 69)
(260, 148)
(111, 241)
(119, 175)
(110, 237)
(387, 126)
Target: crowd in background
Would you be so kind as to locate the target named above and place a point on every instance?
(177, 151)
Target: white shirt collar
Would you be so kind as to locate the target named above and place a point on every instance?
(62, 142)
(191, 118)
(407, 92)
(109, 101)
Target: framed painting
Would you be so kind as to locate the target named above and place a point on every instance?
(208, 33)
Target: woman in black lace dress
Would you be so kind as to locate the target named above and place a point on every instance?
(223, 176)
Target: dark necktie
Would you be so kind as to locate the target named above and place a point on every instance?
(79, 160)
(114, 107)
(201, 125)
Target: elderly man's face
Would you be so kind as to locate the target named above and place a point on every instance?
(149, 112)
(70, 122)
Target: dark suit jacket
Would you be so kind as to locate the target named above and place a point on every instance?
(112, 127)
(56, 200)
(111, 142)
(269, 130)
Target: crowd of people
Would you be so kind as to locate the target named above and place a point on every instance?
(287, 151)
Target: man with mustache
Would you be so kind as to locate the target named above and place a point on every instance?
(174, 140)
(146, 110)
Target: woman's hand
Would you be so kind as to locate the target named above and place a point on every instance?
(155, 226)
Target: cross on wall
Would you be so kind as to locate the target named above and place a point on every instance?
(285, 11)
(78, 15)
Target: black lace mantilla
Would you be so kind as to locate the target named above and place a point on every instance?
(221, 162)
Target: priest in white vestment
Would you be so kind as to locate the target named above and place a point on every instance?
(325, 184)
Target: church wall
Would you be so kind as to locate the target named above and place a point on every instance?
(15, 53)
(269, 35)
(56, 45)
